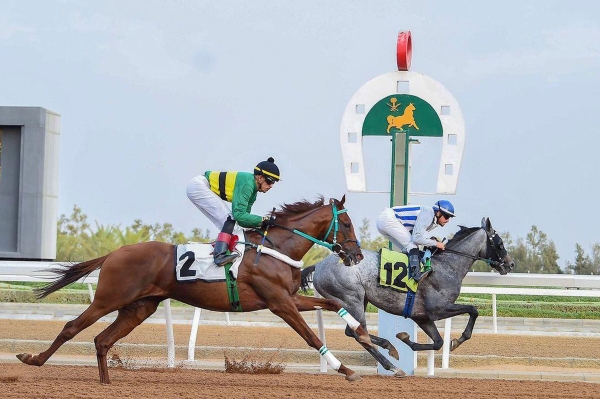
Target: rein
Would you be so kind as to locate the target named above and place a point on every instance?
(487, 259)
(333, 226)
(334, 247)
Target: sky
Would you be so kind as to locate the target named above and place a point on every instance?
(153, 93)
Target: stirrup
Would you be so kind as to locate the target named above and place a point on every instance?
(223, 259)
(420, 275)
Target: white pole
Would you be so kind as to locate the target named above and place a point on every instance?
(447, 343)
(227, 321)
(323, 362)
(430, 359)
(91, 291)
(495, 318)
(194, 334)
(170, 338)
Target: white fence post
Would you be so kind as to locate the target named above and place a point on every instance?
(170, 338)
(322, 361)
(194, 334)
(430, 359)
(494, 314)
(447, 343)
(91, 291)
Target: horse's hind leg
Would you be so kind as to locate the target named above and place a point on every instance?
(288, 310)
(71, 329)
(306, 303)
(129, 318)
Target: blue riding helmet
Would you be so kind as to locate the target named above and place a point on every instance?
(445, 207)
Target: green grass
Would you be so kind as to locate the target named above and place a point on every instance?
(551, 307)
(534, 306)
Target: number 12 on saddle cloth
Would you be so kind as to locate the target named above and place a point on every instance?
(393, 271)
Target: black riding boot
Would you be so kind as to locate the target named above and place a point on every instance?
(415, 265)
(221, 257)
(220, 253)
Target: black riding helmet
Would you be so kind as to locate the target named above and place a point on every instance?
(268, 169)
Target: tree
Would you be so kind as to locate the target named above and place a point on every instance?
(365, 238)
(535, 254)
(584, 264)
(77, 241)
(72, 236)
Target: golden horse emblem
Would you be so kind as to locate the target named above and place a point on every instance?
(407, 118)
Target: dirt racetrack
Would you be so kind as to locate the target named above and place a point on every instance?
(59, 382)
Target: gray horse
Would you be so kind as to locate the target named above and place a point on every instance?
(435, 296)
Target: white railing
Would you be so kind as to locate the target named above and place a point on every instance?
(32, 271)
(474, 283)
(494, 283)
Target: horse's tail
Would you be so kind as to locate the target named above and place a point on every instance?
(304, 279)
(68, 274)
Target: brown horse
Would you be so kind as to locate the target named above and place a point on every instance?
(134, 279)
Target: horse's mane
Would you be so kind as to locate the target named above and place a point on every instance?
(299, 207)
(463, 233)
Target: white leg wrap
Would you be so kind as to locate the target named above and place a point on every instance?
(331, 360)
(352, 322)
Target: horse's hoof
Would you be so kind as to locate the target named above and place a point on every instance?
(399, 373)
(26, 358)
(394, 353)
(402, 336)
(454, 344)
(353, 377)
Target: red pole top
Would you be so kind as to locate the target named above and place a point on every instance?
(404, 50)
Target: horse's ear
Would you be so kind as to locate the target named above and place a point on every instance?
(343, 200)
(486, 224)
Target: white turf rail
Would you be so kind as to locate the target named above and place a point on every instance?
(474, 283)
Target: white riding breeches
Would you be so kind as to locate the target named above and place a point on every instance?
(391, 228)
(209, 203)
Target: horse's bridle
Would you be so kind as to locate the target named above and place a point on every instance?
(495, 244)
(334, 246)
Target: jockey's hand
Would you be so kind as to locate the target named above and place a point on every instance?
(267, 221)
(440, 245)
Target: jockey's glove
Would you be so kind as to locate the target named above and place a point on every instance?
(267, 221)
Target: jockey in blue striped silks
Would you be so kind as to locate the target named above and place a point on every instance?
(406, 227)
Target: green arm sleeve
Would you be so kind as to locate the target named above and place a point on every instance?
(243, 199)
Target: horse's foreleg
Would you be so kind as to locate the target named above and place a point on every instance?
(286, 308)
(306, 303)
(428, 326)
(473, 314)
(71, 329)
(129, 318)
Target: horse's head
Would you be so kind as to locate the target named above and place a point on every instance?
(341, 234)
(500, 260)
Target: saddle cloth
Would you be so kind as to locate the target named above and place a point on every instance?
(194, 261)
(393, 271)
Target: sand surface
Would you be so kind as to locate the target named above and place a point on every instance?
(52, 381)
